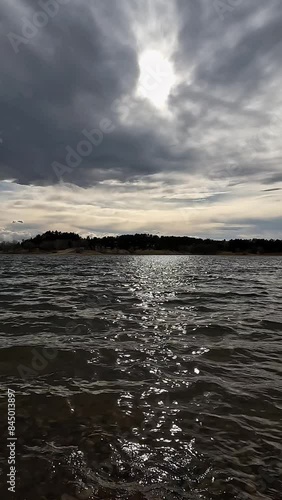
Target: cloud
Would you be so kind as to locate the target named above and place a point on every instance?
(218, 135)
(152, 204)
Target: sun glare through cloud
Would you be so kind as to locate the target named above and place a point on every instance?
(156, 77)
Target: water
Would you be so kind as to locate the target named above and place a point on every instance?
(161, 378)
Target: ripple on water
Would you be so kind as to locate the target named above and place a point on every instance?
(143, 377)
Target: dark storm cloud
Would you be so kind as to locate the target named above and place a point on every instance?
(63, 80)
(72, 74)
(240, 61)
(69, 77)
(235, 62)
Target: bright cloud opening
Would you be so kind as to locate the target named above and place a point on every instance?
(156, 77)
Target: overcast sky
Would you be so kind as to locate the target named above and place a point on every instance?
(141, 116)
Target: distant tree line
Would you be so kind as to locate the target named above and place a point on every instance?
(52, 241)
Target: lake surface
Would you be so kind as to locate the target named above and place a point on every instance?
(142, 377)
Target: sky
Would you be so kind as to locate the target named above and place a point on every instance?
(141, 116)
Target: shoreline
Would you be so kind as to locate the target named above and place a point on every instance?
(73, 252)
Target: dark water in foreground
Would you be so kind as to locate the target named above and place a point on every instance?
(166, 382)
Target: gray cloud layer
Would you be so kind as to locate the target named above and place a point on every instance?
(80, 71)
